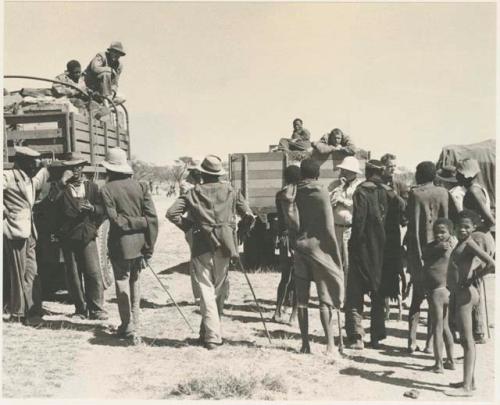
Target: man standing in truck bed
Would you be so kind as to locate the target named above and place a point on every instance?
(211, 212)
(103, 72)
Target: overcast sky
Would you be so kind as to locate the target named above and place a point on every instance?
(230, 77)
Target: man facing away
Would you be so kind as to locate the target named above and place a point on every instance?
(426, 203)
(317, 256)
(132, 236)
(366, 255)
(104, 70)
(211, 207)
(19, 236)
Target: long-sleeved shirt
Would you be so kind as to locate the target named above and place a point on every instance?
(327, 145)
(19, 192)
(99, 64)
(341, 200)
(60, 90)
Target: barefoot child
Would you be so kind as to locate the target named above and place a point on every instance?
(462, 273)
(436, 256)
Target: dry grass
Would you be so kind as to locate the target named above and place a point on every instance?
(171, 365)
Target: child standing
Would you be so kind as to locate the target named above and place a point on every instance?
(436, 256)
(462, 273)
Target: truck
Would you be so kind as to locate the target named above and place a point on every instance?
(260, 176)
(55, 129)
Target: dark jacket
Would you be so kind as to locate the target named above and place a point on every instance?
(367, 243)
(76, 225)
(133, 220)
(212, 208)
(426, 203)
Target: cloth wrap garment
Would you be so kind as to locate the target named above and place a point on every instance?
(317, 255)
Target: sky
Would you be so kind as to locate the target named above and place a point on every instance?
(200, 78)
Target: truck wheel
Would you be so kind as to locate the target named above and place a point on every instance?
(102, 248)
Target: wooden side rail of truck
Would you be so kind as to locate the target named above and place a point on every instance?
(54, 131)
(260, 176)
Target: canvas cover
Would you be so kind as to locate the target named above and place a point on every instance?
(484, 152)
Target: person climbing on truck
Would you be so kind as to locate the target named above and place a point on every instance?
(72, 76)
(103, 72)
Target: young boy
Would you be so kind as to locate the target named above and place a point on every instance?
(436, 256)
(462, 273)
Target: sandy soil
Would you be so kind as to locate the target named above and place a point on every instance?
(82, 359)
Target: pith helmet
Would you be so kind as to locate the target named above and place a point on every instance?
(116, 161)
(118, 47)
(351, 164)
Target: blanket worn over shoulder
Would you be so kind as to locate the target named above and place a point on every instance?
(367, 243)
(316, 239)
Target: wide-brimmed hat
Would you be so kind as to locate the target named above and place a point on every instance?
(211, 165)
(118, 47)
(24, 151)
(351, 164)
(468, 167)
(74, 159)
(448, 174)
(116, 161)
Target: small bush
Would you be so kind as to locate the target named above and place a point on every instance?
(274, 383)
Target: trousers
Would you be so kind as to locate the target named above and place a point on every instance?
(83, 275)
(211, 271)
(128, 292)
(24, 288)
(343, 234)
(354, 311)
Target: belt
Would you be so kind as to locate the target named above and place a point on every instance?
(343, 226)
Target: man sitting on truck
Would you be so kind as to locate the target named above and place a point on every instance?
(103, 72)
(72, 76)
(300, 140)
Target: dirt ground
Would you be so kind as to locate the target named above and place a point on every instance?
(65, 358)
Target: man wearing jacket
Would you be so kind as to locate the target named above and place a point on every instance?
(211, 212)
(81, 214)
(19, 236)
(104, 70)
(132, 236)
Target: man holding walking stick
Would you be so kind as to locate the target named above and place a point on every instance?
(132, 236)
(212, 207)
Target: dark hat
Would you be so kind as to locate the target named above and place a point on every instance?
(118, 47)
(447, 173)
(374, 164)
(74, 159)
(211, 165)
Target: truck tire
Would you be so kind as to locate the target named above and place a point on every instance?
(102, 248)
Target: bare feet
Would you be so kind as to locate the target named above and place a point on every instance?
(460, 392)
(449, 365)
(305, 349)
(428, 350)
(461, 385)
(437, 369)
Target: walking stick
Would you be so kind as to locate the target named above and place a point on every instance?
(170, 295)
(341, 343)
(486, 308)
(255, 299)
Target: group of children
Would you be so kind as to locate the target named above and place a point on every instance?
(452, 267)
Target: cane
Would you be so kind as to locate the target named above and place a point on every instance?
(341, 343)
(486, 308)
(170, 295)
(255, 299)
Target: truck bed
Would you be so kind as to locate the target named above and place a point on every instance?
(260, 176)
